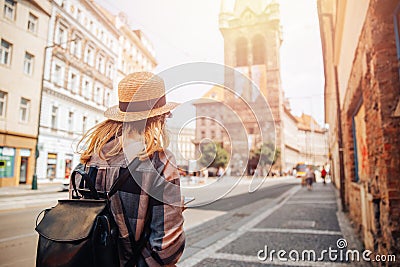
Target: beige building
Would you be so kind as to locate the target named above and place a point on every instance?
(181, 145)
(361, 49)
(312, 141)
(23, 34)
(290, 133)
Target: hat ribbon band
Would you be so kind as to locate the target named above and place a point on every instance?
(144, 105)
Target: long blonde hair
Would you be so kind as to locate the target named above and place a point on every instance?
(151, 130)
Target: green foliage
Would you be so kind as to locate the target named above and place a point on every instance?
(267, 154)
(213, 155)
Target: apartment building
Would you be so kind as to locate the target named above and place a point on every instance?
(23, 35)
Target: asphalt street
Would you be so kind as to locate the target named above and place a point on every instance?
(227, 232)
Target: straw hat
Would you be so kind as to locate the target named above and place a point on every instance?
(141, 95)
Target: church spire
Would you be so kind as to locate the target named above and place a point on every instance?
(257, 6)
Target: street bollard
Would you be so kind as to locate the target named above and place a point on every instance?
(34, 182)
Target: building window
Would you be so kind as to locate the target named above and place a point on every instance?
(9, 9)
(89, 56)
(58, 75)
(61, 35)
(7, 155)
(107, 97)
(84, 124)
(51, 165)
(73, 82)
(360, 145)
(86, 90)
(24, 110)
(258, 50)
(79, 15)
(54, 117)
(97, 95)
(70, 122)
(241, 52)
(100, 64)
(76, 47)
(3, 104)
(5, 52)
(109, 70)
(32, 23)
(28, 63)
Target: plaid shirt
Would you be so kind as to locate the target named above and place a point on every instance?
(154, 193)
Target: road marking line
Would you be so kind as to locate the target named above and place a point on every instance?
(211, 250)
(254, 259)
(310, 202)
(296, 231)
(11, 238)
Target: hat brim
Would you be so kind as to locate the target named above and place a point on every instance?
(115, 114)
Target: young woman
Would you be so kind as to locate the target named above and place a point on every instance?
(148, 207)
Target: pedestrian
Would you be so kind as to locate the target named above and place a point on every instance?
(309, 178)
(220, 171)
(147, 209)
(323, 174)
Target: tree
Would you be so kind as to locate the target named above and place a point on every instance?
(267, 154)
(213, 155)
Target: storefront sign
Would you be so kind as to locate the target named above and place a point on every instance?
(25, 152)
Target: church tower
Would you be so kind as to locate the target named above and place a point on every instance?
(252, 39)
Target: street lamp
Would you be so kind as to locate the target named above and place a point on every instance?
(34, 178)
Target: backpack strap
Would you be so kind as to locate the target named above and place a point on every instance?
(88, 181)
(122, 178)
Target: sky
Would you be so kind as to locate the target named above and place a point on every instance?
(183, 31)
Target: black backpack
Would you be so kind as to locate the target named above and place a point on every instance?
(81, 231)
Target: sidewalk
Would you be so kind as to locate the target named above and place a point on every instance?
(26, 189)
(298, 220)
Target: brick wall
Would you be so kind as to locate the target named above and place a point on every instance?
(374, 80)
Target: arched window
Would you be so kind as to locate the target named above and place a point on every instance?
(258, 50)
(241, 52)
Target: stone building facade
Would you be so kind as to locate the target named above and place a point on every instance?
(78, 82)
(252, 40)
(245, 112)
(23, 34)
(88, 52)
(361, 46)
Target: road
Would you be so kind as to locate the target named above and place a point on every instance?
(227, 232)
(17, 235)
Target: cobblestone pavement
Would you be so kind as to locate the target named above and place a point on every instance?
(283, 217)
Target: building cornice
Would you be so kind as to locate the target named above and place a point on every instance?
(75, 101)
(18, 134)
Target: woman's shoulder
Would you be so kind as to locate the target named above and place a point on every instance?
(168, 163)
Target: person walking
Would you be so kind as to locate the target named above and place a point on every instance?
(309, 178)
(148, 207)
(323, 174)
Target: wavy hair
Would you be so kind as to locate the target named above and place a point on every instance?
(151, 130)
